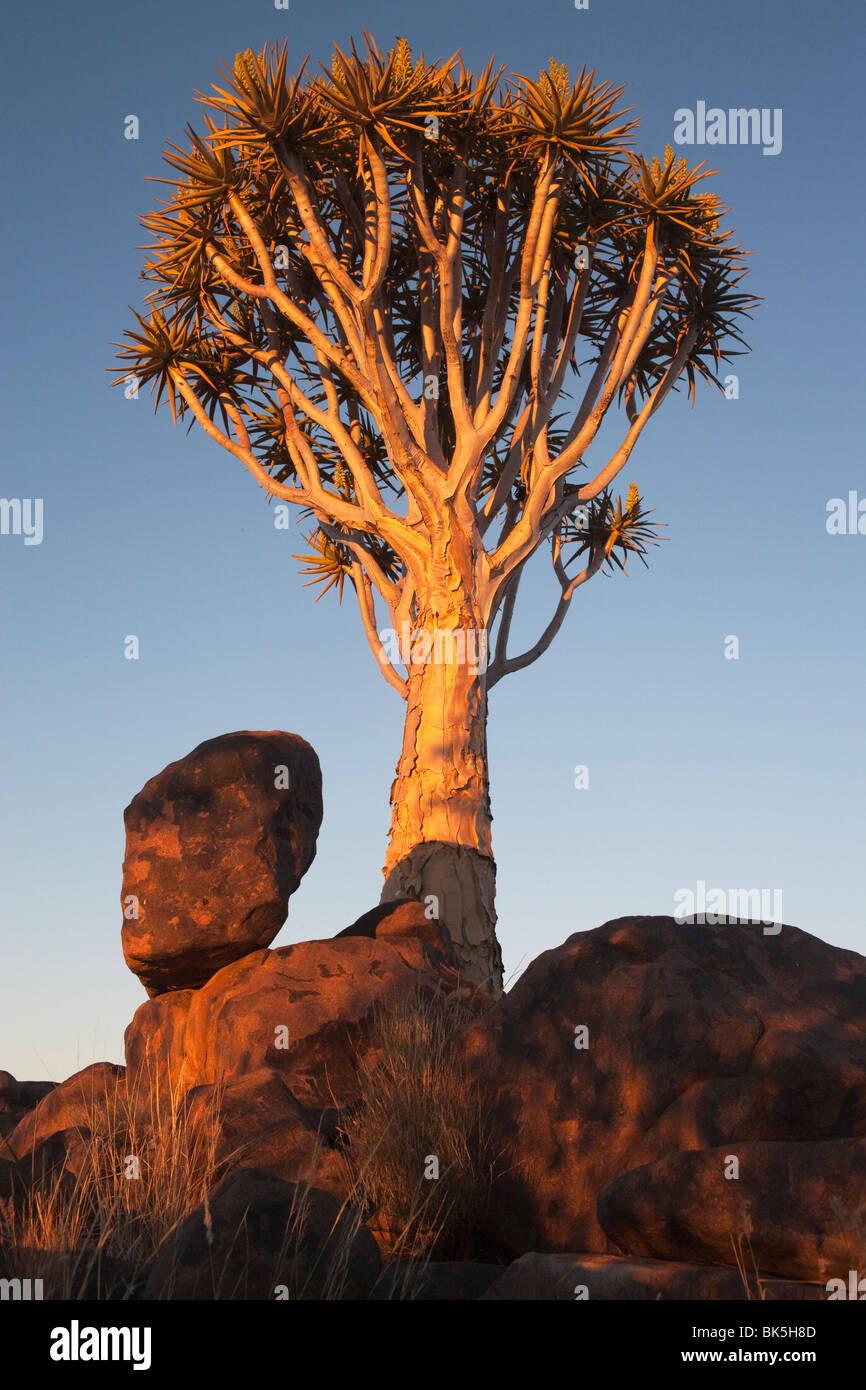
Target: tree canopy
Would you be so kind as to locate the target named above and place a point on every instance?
(404, 295)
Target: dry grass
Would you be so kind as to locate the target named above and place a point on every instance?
(93, 1235)
(747, 1268)
(418, 1104)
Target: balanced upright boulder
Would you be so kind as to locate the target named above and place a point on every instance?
(216, 844)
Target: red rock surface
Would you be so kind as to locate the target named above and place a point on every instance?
(215, 846)
(81, 1102)
(322, 993)
(538, 1277)
(403, 917)
(16, 1098)
(697, 1036)
(259, 1124)
(262, 1233)
(800, 1207)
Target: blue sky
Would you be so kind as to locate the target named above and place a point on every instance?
(744, 773)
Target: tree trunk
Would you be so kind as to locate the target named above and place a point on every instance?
(440, 845)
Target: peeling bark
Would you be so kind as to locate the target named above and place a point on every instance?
(463, 882)
(440, 843)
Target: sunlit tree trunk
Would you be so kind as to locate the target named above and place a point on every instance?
(440, 843)
(440, 846)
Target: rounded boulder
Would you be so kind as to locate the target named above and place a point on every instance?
(216, 844)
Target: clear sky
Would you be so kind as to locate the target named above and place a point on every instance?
(743, 773)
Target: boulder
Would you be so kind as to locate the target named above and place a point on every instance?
(306, 1012)
(17, 1097)
(541, 1277)
(797, 1210)
(649, 1036)
(51, 1170)
(155, 1054)
(297, 1156)
(244, 1107)
(86, 1101)
(87, 1273)
(262, 1238)
(402, 917)
(435, 1281)
(258, 1124)
(216, 844)
(65, 1153)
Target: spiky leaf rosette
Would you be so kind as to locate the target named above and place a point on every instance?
(610, 525)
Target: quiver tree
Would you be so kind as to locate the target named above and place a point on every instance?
(405, 297)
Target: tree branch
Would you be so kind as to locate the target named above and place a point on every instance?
(364, 596)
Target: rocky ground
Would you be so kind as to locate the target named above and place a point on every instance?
(674, 1111)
